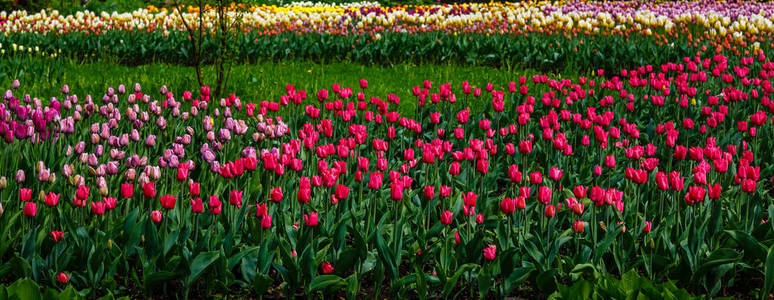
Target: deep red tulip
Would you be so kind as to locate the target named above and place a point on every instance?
(490, 252)
(149, 190)
(550, 211)
(514, 174)
(195, 189)
(429, 192)
(197, 206)
(30, 209)
(536, 178)
(647, 227)
(714, 191)
(508, 205)
(749, 185)
(342, 192)
(25, 194)
(57, 235)
(446, 217)
(266, 221)
(579, 191)
(182, 172)
(235, 198)
(127, 190)
(98, 208)
(544, 194)
(216, 206)
(396, 191)
(63, 278)
(555, 174)
(168, 201)
(110, 202)
(51, 199)
(327, 268)
(276, 194)
(311, 220)
(82, 193)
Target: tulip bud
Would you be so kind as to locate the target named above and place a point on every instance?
(20, 177)
(3, 183)
(1, 209)
(110, 244)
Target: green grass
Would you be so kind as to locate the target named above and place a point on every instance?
(262, 81)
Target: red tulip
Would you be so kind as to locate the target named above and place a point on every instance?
(311, 220)
(555, 174)
(445, 191)
(695, 194)
(647, 227)
(375, 180)
(521, 203)
(149, 190)
(514, 174)
(168, 201)
(479, 219)
(215, 205)
(82, 193)
(276, 194)
(579, 191)
(197, 206)
(490, 252)
(578, 226)
(396, 191)
(454, 169)
(327, 268)
(342, 192)
(30, 209)
(550, 211)
(194, 189)
(469, 198)
(446, 217)
(508, 205)
(610, 161)
(57, 235)
(235, 198)
(110, 202)
(429, 191)
(51, 199)
(25, 194)
(127, 190)
(544, 194)
(535, 178)
(457, 237)
(714, 191)
(63, 278)
(182, 172)
(156, 216)
(98, 208)
(661, 181)
(266, 221)
(749, 185)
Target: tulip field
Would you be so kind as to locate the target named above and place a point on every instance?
(564, 150)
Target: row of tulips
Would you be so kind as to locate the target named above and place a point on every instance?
(659, 169)
(540, 35)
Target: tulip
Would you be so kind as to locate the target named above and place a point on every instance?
(479, 219)
(578, 226)
(490, 252)
(579, 191)
(327, 268)
(63, 278)
(156, 216)
(182, 172)
(647, 227)
(749, 185)
(51, 199)
(98, 208)
(168, 201)
(276, 195)
(610, 161)
(457, 237)
(197, 206)
(446, 217)
(311, 220)
(514, 174)
(30, 209)
(342, 191)
(3, 183)
(194, 189)
(508, 205)
(149, 190)
(469, 198)
(544, 194)
(550, 211)
(1, 209)
(57, 235)
(429, 192)
(445, 191)
(535, 178)
(25, 194)
(127, 190)
(396, 191)
(235, 198)
(266, 221)
(714, 191)
(555, 174)
(215, 205)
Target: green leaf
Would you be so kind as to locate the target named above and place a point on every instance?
(262, 283)
(484, 282)
(748, 243)
(449, 286)
(152, 280)
(386, 254)
(324, 282)
(201, 262)
(25, 289)
(769, 271)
